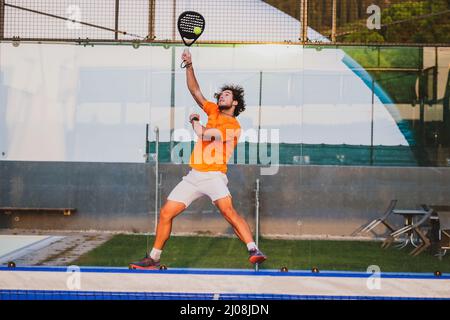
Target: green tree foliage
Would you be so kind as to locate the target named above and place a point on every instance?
(425, 21)
(405, 21)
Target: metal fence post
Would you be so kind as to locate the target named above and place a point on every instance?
(151, 21)
(257, 218)
(333, 22)
(304, 20)
(2, 19)
(156, 176)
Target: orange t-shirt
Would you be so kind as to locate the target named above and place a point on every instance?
(213, 155)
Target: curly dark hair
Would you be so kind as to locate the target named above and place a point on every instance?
(238, 95)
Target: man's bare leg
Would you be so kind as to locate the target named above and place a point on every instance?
(241, 228)
(239, 224)
(167, 213)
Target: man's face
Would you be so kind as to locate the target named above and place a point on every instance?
(226, 100)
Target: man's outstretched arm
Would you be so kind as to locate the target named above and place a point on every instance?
(192, 83)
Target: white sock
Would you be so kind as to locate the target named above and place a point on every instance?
(251, 246)
(155, 254)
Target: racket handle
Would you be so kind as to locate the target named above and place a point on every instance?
(183, 63)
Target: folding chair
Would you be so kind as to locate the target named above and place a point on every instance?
(382, 219)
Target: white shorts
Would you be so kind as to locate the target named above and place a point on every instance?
(197, 184)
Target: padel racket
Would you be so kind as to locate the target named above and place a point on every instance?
(191, 25)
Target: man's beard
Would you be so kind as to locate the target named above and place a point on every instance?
(221, 108)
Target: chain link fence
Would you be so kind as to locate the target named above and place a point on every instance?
(229, 21)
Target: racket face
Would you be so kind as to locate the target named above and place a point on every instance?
(187, 22)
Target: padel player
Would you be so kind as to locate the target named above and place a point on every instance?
(208, 162)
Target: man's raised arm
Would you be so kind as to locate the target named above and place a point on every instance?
(192, 83)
